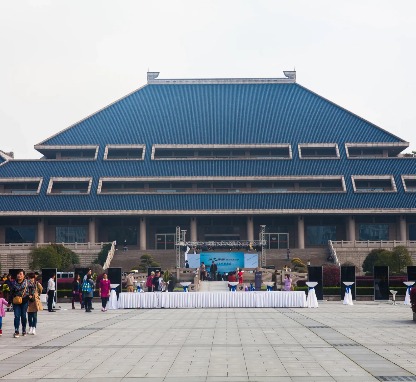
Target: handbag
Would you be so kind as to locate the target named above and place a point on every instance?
(18, 300)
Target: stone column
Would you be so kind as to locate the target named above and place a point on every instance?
(92, 230)
(41, 230)
(194, 230)
(250, 228)
(351, 228)
(402, 228)
(301, 233)
(142, 229)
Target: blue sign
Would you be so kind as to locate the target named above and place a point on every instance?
(226, 261)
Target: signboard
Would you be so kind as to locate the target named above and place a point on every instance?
(226, 261)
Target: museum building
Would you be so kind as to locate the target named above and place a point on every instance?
(218, 158)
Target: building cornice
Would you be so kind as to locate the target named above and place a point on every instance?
(152, 79)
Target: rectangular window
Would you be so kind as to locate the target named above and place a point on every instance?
(309, 184)
(375, 149)
(71, 234)
(320, 234)
(223, 152)
(318, 151)
(20, 186)
(20, 234)
(69, 186)
(124, 152)
(373, 183)
(373, 232)
(83, 152)
(412, 232)
(409, 183)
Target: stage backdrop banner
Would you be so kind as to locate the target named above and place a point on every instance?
(226, 261)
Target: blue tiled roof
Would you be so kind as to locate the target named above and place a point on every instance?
(215, 114)
(235, 113)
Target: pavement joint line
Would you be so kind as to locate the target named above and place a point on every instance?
(358, 345)
(55, 348)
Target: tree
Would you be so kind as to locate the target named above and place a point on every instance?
(147, 261)
(102, 255)
(53, 256)
(396, 260)
(400, 258)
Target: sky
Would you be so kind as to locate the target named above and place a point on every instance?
(61, 61)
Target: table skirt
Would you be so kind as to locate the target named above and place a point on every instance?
(177, 300)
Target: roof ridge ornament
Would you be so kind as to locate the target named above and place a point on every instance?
(152, 78)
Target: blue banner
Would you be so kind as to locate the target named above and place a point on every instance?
(226, 261)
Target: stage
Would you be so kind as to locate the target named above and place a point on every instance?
(183, 300)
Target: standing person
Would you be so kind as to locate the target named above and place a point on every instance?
(288, 282)
(240, 276)
(130, 282)
(288, 254)
(213, 271)
(76, 291)
(34, 304)
(155, 281)
(149, 281)
(202, 271)
(3, 303)
(104, 291)
(50, 290)
(88, 291)
(20, 293)
(7, 286)
(186, 264)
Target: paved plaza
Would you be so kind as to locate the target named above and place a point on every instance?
(369, 341)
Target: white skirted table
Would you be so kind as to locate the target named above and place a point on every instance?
(409, 285)
(212, 300)
(312, 301)
(348, 293)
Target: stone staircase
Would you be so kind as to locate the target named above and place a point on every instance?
(278, 257)
(213, 286)
(130, 259)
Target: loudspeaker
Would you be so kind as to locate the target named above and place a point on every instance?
(47, 273)
(114, 275)
(315, 274)
(381, 282)
(411, 273)
(348, 274)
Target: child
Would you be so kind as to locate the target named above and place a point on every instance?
(3, 303)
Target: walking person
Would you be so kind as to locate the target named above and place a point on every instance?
(76, 291)
(213, 271)
(3, 303)
(88, 291)
(34, 304)
(50, 290)
(20, 293)
(104, 291)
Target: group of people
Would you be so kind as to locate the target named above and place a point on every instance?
(83, 292)
(154, 282)
(23, 293)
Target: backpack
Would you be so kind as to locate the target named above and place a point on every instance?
(149, 281)
(86, 287)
